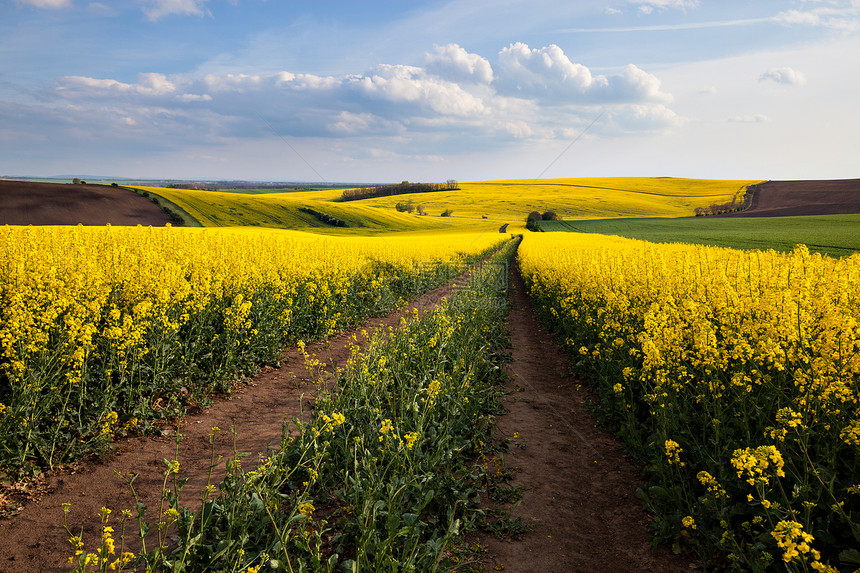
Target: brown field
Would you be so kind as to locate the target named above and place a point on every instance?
(29, 203)
(792, 198)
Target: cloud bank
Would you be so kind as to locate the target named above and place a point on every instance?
(527, 93)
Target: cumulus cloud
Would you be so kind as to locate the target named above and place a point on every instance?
(400, 84)
(548, 74)
(786, 76)
(527, 94)
(158, 9)
(149, 87)
(454, 63)
(46, 3)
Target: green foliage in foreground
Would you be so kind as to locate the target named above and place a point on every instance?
(834, 235)
(386, 476)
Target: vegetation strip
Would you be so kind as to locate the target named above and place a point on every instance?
(382, 478)
(105, 329)
(733, 376)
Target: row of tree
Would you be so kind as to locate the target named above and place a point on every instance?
(401, 188)
(324, 217)
(736, 204)
(535, 216)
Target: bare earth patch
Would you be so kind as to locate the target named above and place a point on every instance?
(31, 203)
(794, 198)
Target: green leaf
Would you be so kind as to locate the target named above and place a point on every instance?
(850, 557)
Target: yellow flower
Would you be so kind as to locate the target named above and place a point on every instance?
(757, 463)
(688, 521)
(306, 509)
(673, 452)
(789, 535)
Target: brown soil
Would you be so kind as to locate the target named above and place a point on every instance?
(579, 485)
(793, 198)
(30, 203)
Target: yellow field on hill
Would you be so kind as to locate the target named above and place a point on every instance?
(580, 198)
(480, 205)
(282, 211)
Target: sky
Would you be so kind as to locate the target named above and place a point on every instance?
(419, 90)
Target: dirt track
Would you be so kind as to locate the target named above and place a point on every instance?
(579, 485)
(29, 203)
(792, 198)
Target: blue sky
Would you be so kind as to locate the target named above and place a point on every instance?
(428, 91)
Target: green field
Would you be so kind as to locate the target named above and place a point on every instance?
(835, 235)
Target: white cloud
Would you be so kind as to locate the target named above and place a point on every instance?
(455, 63)
(408, 84)
(786, 76)
(148, 86)
(548, 74)
(756, 118)
(639, 118)
(846, 19)
(157, 9)
(648, 6)
(457, 99)
(46, 3)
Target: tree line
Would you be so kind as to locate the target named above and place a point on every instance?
(396, 189)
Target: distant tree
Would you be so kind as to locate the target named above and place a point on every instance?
(421, 210)
(549, 216)
(76, 181)
(405, 206)
(533, 216)
(447, 213)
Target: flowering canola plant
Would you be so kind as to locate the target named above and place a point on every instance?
(735, 375)
(104, 328)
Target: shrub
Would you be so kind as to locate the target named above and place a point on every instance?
(405, 206)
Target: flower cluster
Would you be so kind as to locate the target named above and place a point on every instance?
(758, 463)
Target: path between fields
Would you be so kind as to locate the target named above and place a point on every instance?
(579, 484)
(580, 489)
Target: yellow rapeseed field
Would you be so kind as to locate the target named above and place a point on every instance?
(734, 374)
(283, 211)
(575, 198)
(103, 327)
